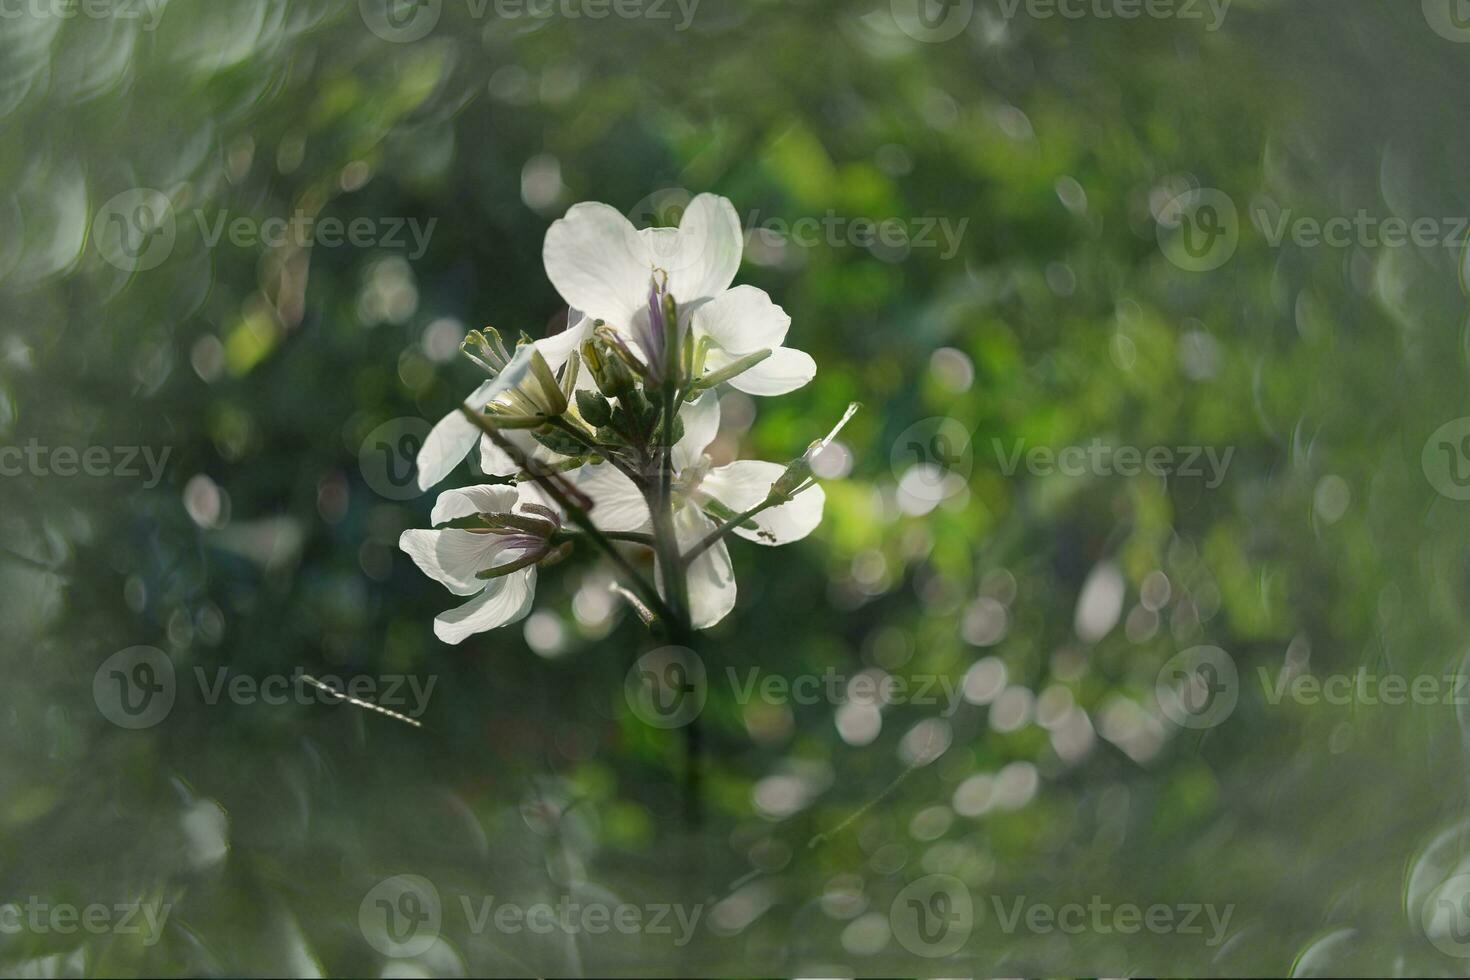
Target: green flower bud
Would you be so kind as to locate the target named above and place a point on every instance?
(594, 408)
(613, 376)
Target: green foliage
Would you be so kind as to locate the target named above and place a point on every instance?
(1050, 318)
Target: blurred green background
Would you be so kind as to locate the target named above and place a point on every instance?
(1053, 148)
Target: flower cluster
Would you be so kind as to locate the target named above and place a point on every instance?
(599, 432)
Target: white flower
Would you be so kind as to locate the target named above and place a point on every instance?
(704, 497)
(605, 267)
(457, 557)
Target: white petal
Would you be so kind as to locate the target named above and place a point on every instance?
(705, 255)
(452, 439)
(557, 348)
(505, 600)
(746, 482)
(598, 262)
(495, 461)
(785, 370)
(472, 500)
(701, 419)
(452, 557)
(742, 320)
(711, 576)
(616, 503)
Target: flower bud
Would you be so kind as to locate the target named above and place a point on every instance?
(531, 387)
(594, 409)
(614, 378)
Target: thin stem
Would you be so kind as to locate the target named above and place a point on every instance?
(663, 510)
(709, 540)
(552, 484)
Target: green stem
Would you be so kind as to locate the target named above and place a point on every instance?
(578, 516)
(708, 541)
